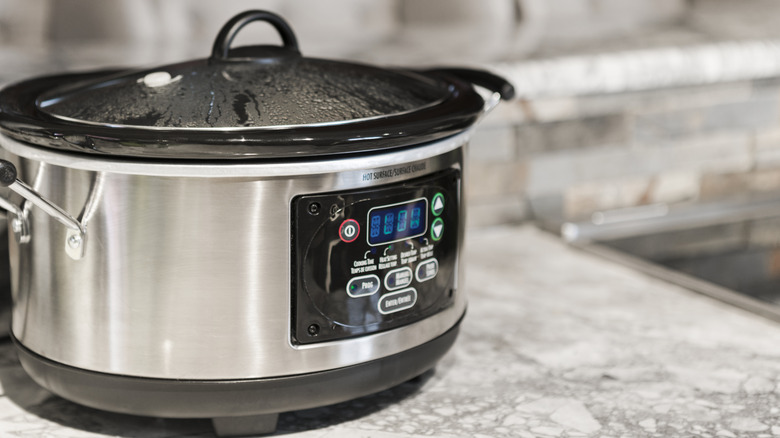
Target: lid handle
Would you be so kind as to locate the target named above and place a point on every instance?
(230, 30)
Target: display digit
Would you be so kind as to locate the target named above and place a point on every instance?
(415, 218)
(401, 221)
(389, 223)
(375, 221)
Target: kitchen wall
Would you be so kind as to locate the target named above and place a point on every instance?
(397, 30)
(622, 102)
(567, 157)
(683, 110)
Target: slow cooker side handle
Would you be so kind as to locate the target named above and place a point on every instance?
(77, 233)
(482, 78)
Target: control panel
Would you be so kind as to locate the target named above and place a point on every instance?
(372, 260)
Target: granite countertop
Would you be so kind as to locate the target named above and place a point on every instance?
(556, 343)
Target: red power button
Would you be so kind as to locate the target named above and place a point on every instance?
(349, 230)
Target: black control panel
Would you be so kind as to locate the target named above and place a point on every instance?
(372, 260)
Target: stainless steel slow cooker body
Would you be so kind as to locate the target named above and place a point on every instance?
(186, 270)
(237, 236)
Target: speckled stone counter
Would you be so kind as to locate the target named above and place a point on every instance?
(556, 343)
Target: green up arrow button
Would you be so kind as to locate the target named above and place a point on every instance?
(437, 206)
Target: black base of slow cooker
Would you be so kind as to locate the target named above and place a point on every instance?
(237, 407)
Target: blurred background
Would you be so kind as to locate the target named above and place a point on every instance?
(622, 103)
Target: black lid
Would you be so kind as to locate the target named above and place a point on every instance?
(258, 101)
(202, 94)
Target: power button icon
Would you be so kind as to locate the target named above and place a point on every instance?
(349, 230)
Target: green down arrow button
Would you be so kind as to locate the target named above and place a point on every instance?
(437, 229)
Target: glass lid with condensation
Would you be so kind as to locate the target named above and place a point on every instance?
(246, 102)
(283, 90)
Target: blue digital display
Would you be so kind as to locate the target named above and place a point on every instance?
(396, 222)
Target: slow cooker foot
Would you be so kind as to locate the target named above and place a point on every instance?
(245, 426)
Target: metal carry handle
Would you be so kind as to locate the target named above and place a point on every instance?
(77, 233)
(221, 48)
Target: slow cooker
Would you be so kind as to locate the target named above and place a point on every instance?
(237, 236)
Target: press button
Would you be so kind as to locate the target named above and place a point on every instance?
(427, 270)
(397, 301)
(349, 230)
(363, 286)
(437, 206)
(437, 229)
(398, 278)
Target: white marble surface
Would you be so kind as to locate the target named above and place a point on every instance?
(556, 343)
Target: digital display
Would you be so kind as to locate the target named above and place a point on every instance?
(392, 223)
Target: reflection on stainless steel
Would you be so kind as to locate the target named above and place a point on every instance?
(188, 277)
(728, 250)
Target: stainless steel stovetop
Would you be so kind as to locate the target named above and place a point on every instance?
(728, 250)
